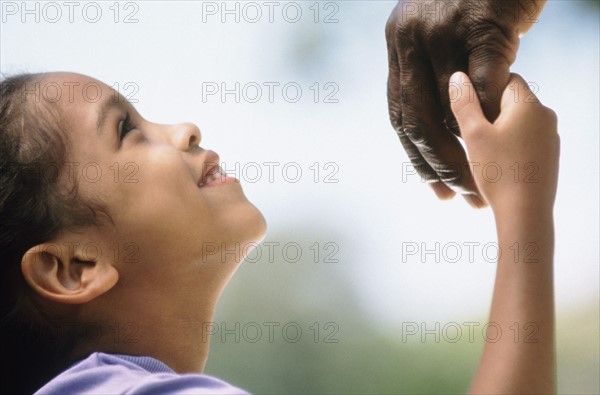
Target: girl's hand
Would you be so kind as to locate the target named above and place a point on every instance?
(514, 160)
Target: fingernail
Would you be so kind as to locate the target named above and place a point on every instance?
(458, 78)
(442, 191)
(474, 201)
(455, 86)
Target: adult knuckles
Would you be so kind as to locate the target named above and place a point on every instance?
(504, 13)
(454, 174)
(393, 97)
(391, 26)
(409, 24)
(419, 163)
(454, 17)
(422, 140)
(485, 41)
(395, 115)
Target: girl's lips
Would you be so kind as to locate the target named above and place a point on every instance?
(210, 167)
(221, 179)
(216, 176)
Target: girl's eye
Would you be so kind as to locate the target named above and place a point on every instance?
(125, 126)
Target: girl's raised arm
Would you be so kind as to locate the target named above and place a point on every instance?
(523, 147)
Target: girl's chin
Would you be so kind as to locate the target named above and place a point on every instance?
(259, 226)
(245, 225)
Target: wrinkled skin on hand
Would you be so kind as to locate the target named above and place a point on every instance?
(429, 40)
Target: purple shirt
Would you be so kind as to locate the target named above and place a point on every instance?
(102, 373)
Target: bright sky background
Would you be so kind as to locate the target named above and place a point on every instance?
(372, 213)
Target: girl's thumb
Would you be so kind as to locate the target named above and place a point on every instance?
(465, 104)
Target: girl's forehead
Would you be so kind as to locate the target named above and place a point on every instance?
(75, 99)
(68, 77)
(66, 88)
(81, 97)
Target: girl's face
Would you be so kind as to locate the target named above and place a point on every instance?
(172, 220)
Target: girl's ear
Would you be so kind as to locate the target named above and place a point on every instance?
(60, 273)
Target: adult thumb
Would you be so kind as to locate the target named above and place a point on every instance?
(465, 104)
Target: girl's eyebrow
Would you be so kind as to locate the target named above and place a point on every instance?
(109, 102)
(104, 107)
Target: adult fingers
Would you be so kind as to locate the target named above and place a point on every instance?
(423, 117)
(491, 51)
(425, 171)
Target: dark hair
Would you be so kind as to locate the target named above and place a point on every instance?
(34, 208)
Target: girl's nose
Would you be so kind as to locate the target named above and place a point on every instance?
(185, 136)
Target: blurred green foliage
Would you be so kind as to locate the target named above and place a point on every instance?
(368, 357)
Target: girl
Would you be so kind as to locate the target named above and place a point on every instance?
(64, 287)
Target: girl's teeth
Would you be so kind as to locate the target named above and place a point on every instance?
(212, 177)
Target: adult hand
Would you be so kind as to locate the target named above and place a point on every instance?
(429, 40)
